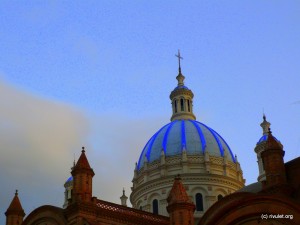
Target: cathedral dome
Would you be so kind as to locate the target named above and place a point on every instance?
(205, 162)
(184, 135)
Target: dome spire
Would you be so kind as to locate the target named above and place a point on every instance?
(265, 125)
(181, 97)
(179, 57)
(179, 77)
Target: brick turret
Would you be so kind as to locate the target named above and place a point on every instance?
(180, 207)
(15, 213)
(273, 163)
(82, 179)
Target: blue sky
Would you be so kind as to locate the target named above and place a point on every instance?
(99, 74)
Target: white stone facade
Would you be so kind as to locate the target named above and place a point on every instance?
(210, 176)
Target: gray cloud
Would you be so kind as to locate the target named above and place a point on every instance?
(37, 140)
(119, 142)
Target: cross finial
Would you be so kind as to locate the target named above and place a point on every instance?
(179, 57)
(74, 163)
(178, 177)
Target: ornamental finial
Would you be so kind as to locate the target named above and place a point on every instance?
(179, 58)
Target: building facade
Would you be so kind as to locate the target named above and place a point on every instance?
(186, 174)
(273, 200)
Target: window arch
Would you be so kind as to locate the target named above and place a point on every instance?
(199, 202)
(175, 106)
(181, 104)
(220, 197)
(155, 206)
(189, 108)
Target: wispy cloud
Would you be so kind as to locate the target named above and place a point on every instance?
(38, 138)
(117, 144)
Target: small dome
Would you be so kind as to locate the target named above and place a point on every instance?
(190, 135)
(265, 138)
(181, 87)
(69, 179)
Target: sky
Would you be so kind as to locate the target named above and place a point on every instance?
(99, 73)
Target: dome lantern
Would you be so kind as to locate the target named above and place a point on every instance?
(124, 198)
(265, 125)
(181, 98)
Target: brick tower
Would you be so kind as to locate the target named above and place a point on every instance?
(273, 163)
(15, 213)
(82, 179)
(180, 207)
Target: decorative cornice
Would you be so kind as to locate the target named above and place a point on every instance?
(187, 178)
(181, 92)
(192, 160)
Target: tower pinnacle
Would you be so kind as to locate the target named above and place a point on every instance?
(265, 125)
(179, 204)
(82, 179)
(15, 213)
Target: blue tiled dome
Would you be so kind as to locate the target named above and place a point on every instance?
(69, 179)
(181, 87)
(264, 138)
(191, 135)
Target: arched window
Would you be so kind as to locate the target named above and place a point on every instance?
(181, 105)
(199, 202)
(220, 197)
(141, 208)
(155, 206)
(175, 106)
(189, 109)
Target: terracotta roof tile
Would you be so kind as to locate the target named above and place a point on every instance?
(178, 193)
(82, 162)
(15, 205)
